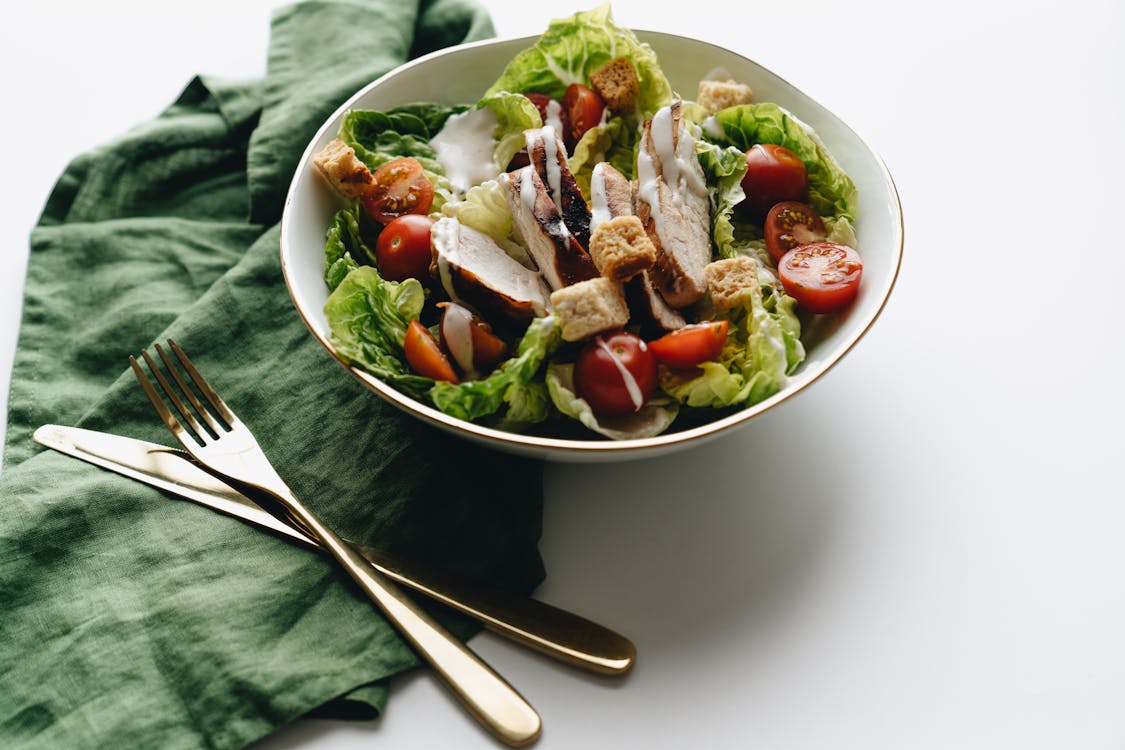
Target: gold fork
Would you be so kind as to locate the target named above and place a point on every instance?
(227, 448)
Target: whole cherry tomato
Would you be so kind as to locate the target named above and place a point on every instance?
(773, 174)
(403, 248)
(615, 374)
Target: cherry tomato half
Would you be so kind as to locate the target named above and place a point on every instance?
(425, 356)
(789, 224)
(584, 110)
(823, 276)
(400, 187)
(691, 345)
(773, 174)
(615, 374)
(469, 340)
(403, 248)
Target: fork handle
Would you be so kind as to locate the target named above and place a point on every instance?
(486, 694)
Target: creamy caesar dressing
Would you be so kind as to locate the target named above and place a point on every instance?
(551, 158)
(465, 148)
(554, 115)
(713, 128)
(599, 201)
(456, 324)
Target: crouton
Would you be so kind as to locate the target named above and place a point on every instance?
(589, 307)
(729, 280)
(343, 170)
(717, 95)
(616, 83)
(621, 248)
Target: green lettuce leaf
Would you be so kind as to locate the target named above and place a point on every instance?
(514, 114)
(343, 245)
(368, 317)
(831, 192)
(762, 348)
(654, 417)
(478, 398)
(574, 47)
(614, 141)
(723, 169)
(485, 208)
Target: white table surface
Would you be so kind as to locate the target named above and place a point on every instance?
(927, 548)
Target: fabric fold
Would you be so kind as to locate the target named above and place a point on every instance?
(130, 618)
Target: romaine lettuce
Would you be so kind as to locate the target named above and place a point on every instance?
(574, 47)
(514, 114)
(614, 141)
(368, 317)
(831, 192)
(509, 383)
(343, 245)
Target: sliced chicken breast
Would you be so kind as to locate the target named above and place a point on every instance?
(672, 201)
(548, 155)
(558, 255)
(475, 271)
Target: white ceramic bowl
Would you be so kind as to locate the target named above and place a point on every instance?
(460, 75)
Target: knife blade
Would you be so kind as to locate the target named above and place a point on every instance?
(547, 629)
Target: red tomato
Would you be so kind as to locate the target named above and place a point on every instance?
(401, 187)
(425, 356)
(403, 248)
(615, 374)
(789, 224)
(823, 276)
(773, 174)
(584, 110)
(691, 345)
(469, 340)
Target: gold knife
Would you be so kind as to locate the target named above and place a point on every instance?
(552, 631)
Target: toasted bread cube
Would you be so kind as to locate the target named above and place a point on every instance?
(343, 170)
(616, 83)
(621, 248)
(729, 279)
(717, 95)
(589, 307)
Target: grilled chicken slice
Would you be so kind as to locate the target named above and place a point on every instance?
(672, 201)
(476, 271)
(548, 155)
(556, 252)
(611, 194)
(649, 308)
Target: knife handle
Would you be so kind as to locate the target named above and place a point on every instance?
(552, 631)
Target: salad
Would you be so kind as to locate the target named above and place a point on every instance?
(584, 249)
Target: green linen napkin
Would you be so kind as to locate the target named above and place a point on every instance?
(129, 619)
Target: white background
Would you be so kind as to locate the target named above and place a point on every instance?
(926, 549)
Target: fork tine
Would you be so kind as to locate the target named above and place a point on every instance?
(201, 434)
(204, 386)
(202, 410)
(162, 409)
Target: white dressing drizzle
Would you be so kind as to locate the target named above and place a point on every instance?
(527, 190)
(464, 148)
(551, 157)
(455, 325)
(678, 163)
(554, 115)
(630, 382)
(599, 201)
(714, 128)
